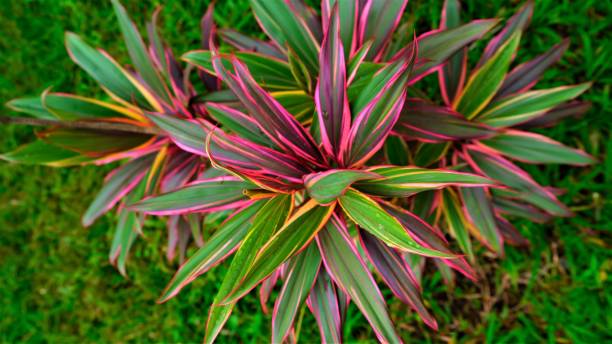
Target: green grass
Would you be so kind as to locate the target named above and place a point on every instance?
(57, 284)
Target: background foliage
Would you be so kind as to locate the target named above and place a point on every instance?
(57, 284)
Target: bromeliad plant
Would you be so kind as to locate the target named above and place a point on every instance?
(90, 131)
(326, 160)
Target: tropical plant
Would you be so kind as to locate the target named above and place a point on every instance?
(326, 160)
(122, 128)
(483, 125)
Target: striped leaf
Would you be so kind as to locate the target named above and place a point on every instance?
(456, 222)
(32, 106)
(215, 250)
(452, 75)
(94, 143)
(187, 134)
(288, 29)
(270, 73)
(40, 152)
(325, 304)
(379, 20)
(484, 82)
(396, 275)
(246, 43)
(267, 168)
(348, 22)
(536, 149)
(299, 279)
(298, 231)
(526, 75)
(204, 195)
(344, 264)
(516, 24)
(139, 54)
(507, 173)
(334, 116)
(71, 107)
(406, 181)
(519, 209)
(377, 107)
(237, 122)
(118, 183)
(573, 108)
(273, 119)
(267, 221)
(528, 105)
(436, 47)
(428, 236)
(326, 187)
(432, 123)
(109, 74)
(478, 210)
(369, 215)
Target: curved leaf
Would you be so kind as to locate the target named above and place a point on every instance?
(536, 149)
(523, 107)
(344, 264)
(486, 80)
(216, 249)
(204, 195)
(299, 279)
(334, 116)
(299, 230)
(370, 216)
(406, 181)
(325, 187)
(118, 184)
(396, 275)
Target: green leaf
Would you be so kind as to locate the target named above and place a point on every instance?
(109, 74)
(40, 152)
(406, 181)
(325, 187)
(270, 73)
(436, 48)
(478, 210)
(188, 135)
(348, 270)
(128, 226)
(288, 30)
(525, 106)
(429, 153)
(299, 230)
(71, 107)
(93, 143)
(456, 222)
(205, 195)
(299, 279)
(118, 184)
(267, 222)
(370, 216)
(485, 81)
(139, 54)
(536, 148)
(326, 306)
(32, 106)
(298, 103)
(215, 250)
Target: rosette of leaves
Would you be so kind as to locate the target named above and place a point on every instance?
(122, 128)
(483, 126)
(315, 194)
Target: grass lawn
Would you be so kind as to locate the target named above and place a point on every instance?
(57, 284)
